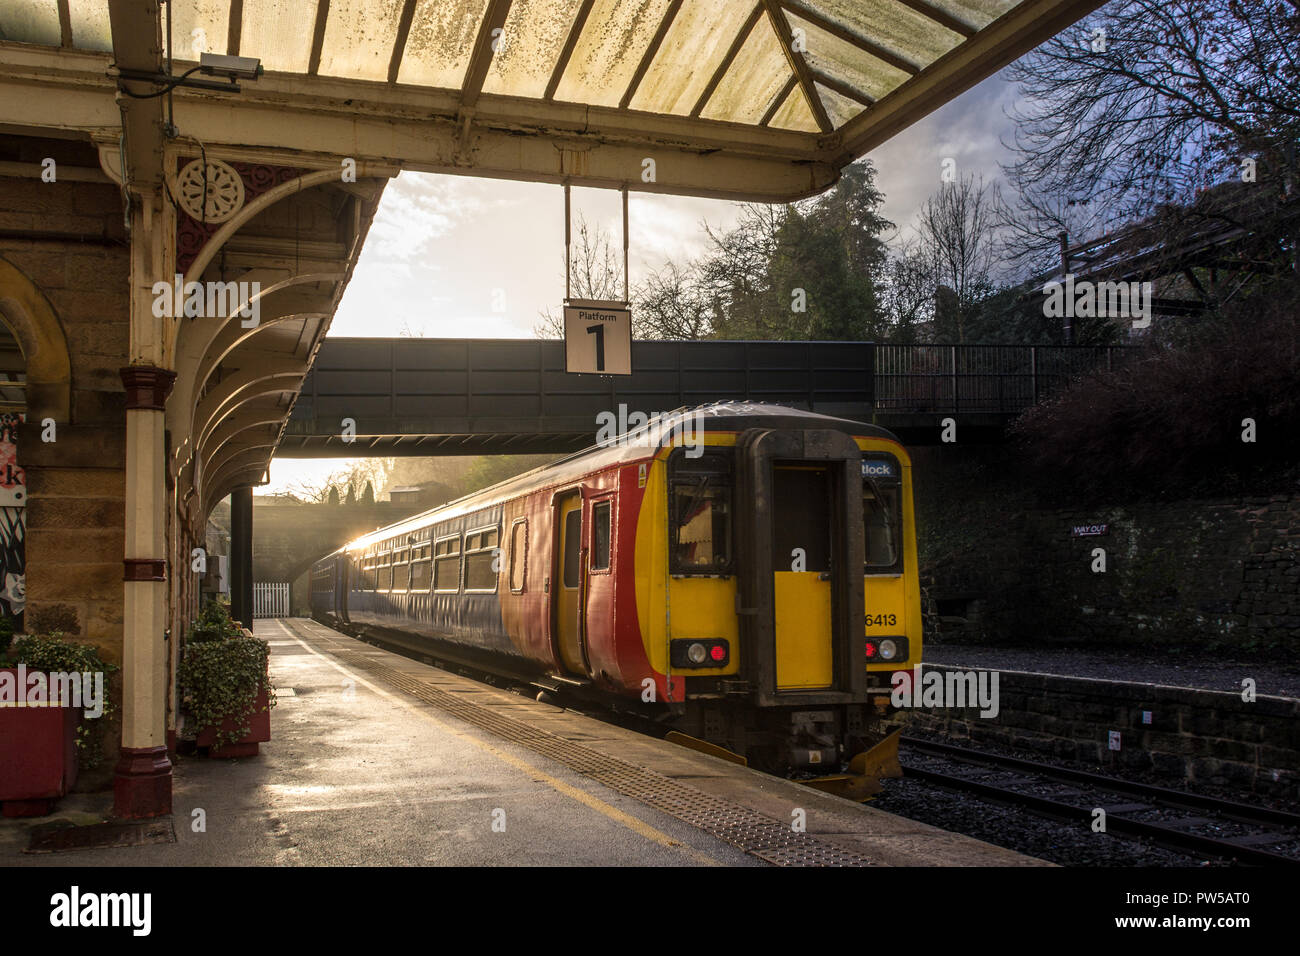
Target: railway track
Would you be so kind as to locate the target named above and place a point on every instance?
(1174, 819)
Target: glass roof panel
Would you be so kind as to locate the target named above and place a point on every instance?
(977, 13)
(897, 28)
(279, 33)
(197, 28)
(839, 108)
(359, 38)
(847, 63)
(692, 48)
(531, 41)
(614, 39)
(30, 21)
(794, 113)
(440, 43)
(90, 29)
(755, 79)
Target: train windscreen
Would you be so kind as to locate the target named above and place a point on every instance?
(882, 516)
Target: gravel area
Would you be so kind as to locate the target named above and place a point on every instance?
(1120, 773)
(1169, 666)
(1017, 829)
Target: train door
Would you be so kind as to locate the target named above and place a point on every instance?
(342, 564)
(567, 594)
(801, 572)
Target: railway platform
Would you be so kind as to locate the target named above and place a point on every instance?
(379, 759)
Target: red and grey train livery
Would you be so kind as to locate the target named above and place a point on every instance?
(747, 571)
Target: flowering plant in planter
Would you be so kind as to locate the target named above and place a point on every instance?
(224, 684)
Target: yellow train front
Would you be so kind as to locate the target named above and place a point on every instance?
(745, 571)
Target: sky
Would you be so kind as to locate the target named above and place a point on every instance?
(458, 256)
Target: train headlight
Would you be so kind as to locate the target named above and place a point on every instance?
(704, 652)
(882, 650)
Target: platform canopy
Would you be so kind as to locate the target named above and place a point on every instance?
(752, 99)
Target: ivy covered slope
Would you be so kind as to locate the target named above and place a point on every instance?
(222, 674)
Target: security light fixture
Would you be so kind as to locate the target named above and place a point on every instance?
(231, 67)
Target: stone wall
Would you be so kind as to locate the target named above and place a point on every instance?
(1194, 735)
(1002, 564)
(75, 513)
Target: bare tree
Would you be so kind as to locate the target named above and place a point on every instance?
(673, 303)
(958, 235)
(355, 475)
(1148, 102)
(908, 291)
(595, 272)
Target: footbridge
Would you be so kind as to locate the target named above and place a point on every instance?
(407, 397)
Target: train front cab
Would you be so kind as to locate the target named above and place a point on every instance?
(821, 532)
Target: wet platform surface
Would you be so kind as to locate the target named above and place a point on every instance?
(377, 759)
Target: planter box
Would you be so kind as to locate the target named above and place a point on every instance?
(38, 755)
(259, 724)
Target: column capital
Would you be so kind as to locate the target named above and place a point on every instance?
(147, 386)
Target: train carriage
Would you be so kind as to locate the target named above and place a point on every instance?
(747, 571)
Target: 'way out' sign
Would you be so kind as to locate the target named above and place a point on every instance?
(598, 338)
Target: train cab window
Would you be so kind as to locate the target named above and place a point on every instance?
(481, 559)
(446, 564)
(518, 555)
(420, 568)
(600, 531)
(700, 515)
(882, 516)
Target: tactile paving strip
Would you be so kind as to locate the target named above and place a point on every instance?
(739, 826)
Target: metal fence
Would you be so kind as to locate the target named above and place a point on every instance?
(979, 378)
(270, 599)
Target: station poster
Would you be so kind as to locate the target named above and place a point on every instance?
(13, 510)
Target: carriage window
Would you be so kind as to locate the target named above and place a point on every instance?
(385, 582)
(600, 536)
(401, 570)
(518, 554)
(481, 560)
(882, 516)
(420, 568)
(446, 565)
(572, 546)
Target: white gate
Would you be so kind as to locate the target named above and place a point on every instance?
(270, 599)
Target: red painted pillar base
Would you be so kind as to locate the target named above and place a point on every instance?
(143, 784)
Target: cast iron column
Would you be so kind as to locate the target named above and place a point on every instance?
(241, 555)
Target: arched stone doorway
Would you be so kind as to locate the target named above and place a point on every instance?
(35, 386)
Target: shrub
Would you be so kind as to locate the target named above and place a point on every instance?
(52, 654)
(221, 674)
(213, 624)
(1169, 422)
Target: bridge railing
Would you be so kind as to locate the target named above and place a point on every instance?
(993, 379)
(469, 396)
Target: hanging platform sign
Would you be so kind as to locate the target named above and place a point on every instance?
(597, 337)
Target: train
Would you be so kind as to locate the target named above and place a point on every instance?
(743, 572)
